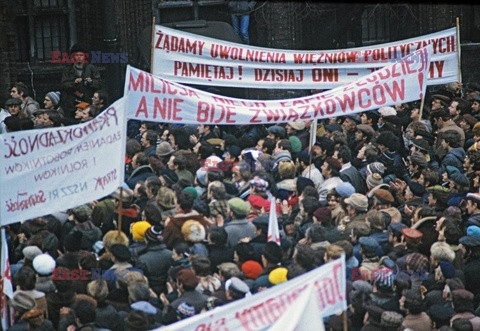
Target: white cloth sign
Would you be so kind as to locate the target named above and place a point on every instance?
(298, 304)
(273, 234)
(193, 59)
(151, 98)
(49, 170)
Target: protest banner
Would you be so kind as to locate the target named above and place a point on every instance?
(50, 170)
(151, 98)
(192, 59)
(299, 304)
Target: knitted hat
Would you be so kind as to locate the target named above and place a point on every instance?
(187, 277)
(448, 270)
(154, 234)
(30, 252)
(283, 156)
(357, 201)
(193, 231)
(470, 241)
(185, 310)
(43, 264)
(384, 279)
(473, 230)
(278, 275)
(54, 96)
(304, 157)
(376, 167)
(296, 144)
(138, 230)
(251, 269)
(417, 262)
(373, 180)
(22, 302)
(345, 189)
(192, 191)
(259, 183)
(238, 206)
(391, 319)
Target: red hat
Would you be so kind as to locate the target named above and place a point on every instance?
(258, 202)
(251, 269)
(323, 214)
(412, 235)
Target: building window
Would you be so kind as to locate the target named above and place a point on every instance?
(42, 27)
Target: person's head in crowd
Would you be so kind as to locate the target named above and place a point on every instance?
(428, 178)
(387, 142)
(364, 133)
(276, 132)
(232, 154)
(98, 289)
(439, 101)
(178, 137)
(236, 289)
(368, 247)
(356, 204)
(272, 254)
(13, 107)
(22, 302)
(184, 202)
(331, 168)
(149, 138)
(186, 280)
(217, 236)
(227, 270)
(15, 123)
(323, 215)
(120, 253)
(100, 99)
(265, 145)
(243, 252)
(315, 234)
(462, 301)
(309, 206)
(43, 264)
(350, 123)
(411, 302)
(370, 118)
(333, 252)
(304, 256)
(84, 312)
(25, 278)
(136, 320)
(305, 187)
(113, 237)
(286, 170)
(343, 154)
(238, 208)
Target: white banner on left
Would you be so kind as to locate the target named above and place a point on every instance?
(49, 170)
(299, 304)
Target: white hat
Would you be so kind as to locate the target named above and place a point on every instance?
(297, 125)
(43, 264)
(387, 111)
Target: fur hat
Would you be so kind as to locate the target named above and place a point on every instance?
(193, 231)
(297, 125)
(166, 198)
(30, 252)
(22, 302)
(442, 251)
(43, 264)
(387, 111)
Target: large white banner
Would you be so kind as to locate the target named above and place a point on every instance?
(189, 58)
(151, 98)
(299, 304)
(48, 170)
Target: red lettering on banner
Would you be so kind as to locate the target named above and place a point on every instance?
(278, 75)
(255, 119)
(436, 69)
(207, 112)
(305, 115)
(167, 108)
(142, 108)
(206, 71)
(178, 44)
(292, 115)
(240, 54)
(346, 100)
(325, 75)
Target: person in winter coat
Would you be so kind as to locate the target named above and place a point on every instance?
(156, 260)
(455, 153)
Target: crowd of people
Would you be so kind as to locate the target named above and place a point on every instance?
(395, 190)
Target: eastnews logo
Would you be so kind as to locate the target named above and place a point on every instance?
(95, 274)
(94, 56)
